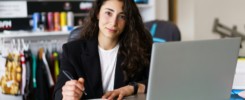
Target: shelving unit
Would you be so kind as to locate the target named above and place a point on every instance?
(32, 34)
(35, 36)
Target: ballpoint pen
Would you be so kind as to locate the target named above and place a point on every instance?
(68, 75)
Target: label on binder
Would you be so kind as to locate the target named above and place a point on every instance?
(13, 9)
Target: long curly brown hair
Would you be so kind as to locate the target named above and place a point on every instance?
(135, 41)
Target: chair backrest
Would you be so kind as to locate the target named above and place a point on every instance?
(75, 34)
(163, 31)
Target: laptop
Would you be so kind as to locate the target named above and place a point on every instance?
(193, 70)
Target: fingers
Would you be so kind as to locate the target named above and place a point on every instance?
(120, 97)
(106, 95)
(73, 89)
(75, 84)
(119, 93)
(81, 80)
(113, 94)
(70, 98)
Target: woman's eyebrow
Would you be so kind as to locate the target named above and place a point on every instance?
(113, 10)
(110, 9)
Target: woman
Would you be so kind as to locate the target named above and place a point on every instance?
(111, 59)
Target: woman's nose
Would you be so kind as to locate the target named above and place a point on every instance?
(114, 21)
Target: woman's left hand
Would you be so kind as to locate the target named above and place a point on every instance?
(119, 93)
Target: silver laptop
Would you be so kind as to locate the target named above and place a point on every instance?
(193, 70)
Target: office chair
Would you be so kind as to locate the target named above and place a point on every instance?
(163, 31)
(75, 34)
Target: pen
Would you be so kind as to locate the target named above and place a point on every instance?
(68, 75)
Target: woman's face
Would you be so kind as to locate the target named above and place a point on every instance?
(111, 19)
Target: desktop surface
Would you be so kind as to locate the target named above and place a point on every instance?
(143, 97)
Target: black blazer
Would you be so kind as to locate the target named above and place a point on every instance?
(81, 59)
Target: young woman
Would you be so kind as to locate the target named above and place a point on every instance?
(111, 59)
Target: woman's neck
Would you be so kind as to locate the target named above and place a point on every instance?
(106, 43)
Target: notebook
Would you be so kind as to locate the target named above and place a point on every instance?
(193, 70)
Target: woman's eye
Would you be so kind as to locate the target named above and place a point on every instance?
(108, 13)
(122, 17)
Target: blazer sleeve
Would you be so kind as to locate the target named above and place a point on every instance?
(144, 75)
(67, 66)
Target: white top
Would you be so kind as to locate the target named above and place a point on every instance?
(108, 59)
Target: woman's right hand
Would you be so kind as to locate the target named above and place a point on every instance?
(73, 89)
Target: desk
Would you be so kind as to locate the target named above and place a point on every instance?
(143, 97)
(134, 97)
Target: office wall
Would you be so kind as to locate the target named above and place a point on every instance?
(186, 19)
(196, 17)
(156, 9)
(162, 9)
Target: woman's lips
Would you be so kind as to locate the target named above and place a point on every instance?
(111, 30)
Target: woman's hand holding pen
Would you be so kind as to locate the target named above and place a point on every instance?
(73, 89)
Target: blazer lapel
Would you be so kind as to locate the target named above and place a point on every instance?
(91, 67)
(119, 77)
